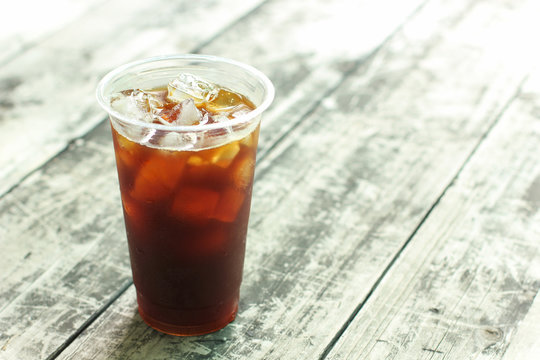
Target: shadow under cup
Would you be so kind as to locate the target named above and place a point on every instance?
(186, 194)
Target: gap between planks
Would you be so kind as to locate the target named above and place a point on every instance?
(68, 146)
(482, 138)
(70, 143)
(90, 320)
(261, 157)
(226, 28)
(354, 68)
(89, 59)
(29, 44)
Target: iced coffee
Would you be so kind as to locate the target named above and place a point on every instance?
(185, 168)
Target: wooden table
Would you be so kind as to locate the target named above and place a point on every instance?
(396, 209)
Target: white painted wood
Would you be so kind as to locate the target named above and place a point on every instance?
(47, 93)
(50, 281)
(24, 23)
(464, 286)
(525, 343)
(62, 225)
(340, 195)
(298, 68)
(525, 340)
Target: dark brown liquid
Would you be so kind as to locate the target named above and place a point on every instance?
(186, 216)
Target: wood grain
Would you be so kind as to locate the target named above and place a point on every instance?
(343, 192)
(47, 94)
(25, 23)
(69, 258)
(307, 54)
(525, 342)
(470, 274)
(50, 282)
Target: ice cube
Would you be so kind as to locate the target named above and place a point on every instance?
(127, 153)
(168, 114)
(229, 103)
(240, 110)
(220, 117)
(189, 114)
(229, 204)
(135, 213)
(251, 139)
(170, 140)
(205, 118)
(187, 86)
(224, 101)
(155, 98)
(133, 105)
(196, 161)
(242, 171)
(158, 177)
(176, 141)
(194, 203)
(185, 113)
(139, 104)
(224, 155)
(123, 142)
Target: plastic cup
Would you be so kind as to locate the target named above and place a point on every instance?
(186, 194)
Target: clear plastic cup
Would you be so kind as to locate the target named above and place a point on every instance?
(186, 194)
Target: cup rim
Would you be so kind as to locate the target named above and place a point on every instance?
(245, 118)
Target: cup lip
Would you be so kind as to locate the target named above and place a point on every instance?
(245, 118)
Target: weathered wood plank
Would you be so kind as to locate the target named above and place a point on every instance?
(50, 284)
(469, 276)
(24, 23)
(307, 53)
(46, 93)
(337, 199)
(71, 205)
(525, 343)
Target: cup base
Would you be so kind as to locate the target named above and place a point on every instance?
(229, 310)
